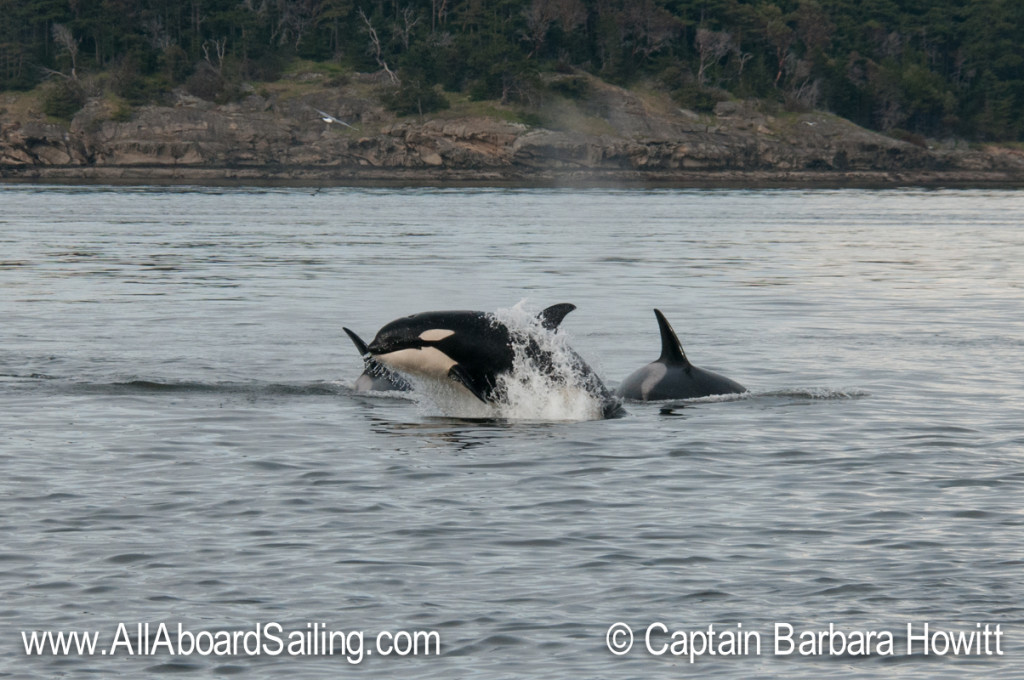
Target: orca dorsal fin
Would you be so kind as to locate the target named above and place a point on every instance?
(671, 349)
(551, 317)
(357, 341)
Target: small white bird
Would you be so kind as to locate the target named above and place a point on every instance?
(328, 118)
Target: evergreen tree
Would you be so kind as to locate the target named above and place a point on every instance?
(933, 67)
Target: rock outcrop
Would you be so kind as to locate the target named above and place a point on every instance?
(639, 140)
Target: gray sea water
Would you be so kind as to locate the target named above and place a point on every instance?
(179, 441)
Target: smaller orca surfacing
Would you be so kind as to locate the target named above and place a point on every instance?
(672, 376)
(375, 376)
(483, 356)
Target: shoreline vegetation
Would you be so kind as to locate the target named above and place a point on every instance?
(183, 145)
(520, 92)
(607, 136)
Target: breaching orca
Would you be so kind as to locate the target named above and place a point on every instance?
(672, 376)
(375, 377)
(473, 349)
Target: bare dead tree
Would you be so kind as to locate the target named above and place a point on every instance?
(409, 18)
(259, 10)
(741, 59)
(806, 89)
(650, 26)
(808, 94)
(220, 49)
(539, 16)
(711, 47)
(196, 16)
(891, 45)
(157, 34)
(375, 47)
(889, 113)
(63, 36)
(856, 69)
(438, 13)
(962, 75)
(12, 60)
(297, 17)
(571, 14)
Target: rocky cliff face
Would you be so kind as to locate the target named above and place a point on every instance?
(640, 139)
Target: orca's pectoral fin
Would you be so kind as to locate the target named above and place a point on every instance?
(459, 374)
(671, 348)
(357, 341)
(551, 317)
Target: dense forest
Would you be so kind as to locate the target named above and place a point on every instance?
(930, 67)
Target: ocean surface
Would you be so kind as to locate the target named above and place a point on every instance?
(180, 442)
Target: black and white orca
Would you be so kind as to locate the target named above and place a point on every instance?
(672, 376)
(474, 349)
(375, 376)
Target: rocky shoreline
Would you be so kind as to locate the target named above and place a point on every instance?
(615, 137)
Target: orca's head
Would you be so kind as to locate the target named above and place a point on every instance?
(411, 332)
(416, 344)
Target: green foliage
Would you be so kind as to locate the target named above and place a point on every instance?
(267, 67)
(931, 68)
(698, 98)
(63, 98)
(122, 112)
(128, 82)
(910, 137)
(210, 83)
(205, 83)
(688, 93)
(414, 97)
(530, 119)
(174, 64)
(573, 87)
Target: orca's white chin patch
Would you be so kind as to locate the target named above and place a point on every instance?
(425, 362)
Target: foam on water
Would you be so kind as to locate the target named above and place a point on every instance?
(824, 393)
(447, 399)
(811, 393)
(535, 392)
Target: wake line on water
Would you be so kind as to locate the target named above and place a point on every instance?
(817, 393)
(154, 387)
(807, 393)
(531, 394)
(248, 388)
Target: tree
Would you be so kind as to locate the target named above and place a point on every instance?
(63, 37)
(711, 47)
(779, 36)
(376, 49)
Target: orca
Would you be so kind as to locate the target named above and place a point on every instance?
(375, 376)
(672, 376)
(474, 349)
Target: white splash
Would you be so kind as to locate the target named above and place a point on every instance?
(449, 399)
(535, 392)
(530, 391)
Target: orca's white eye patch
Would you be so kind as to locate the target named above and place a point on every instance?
(435, 334)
